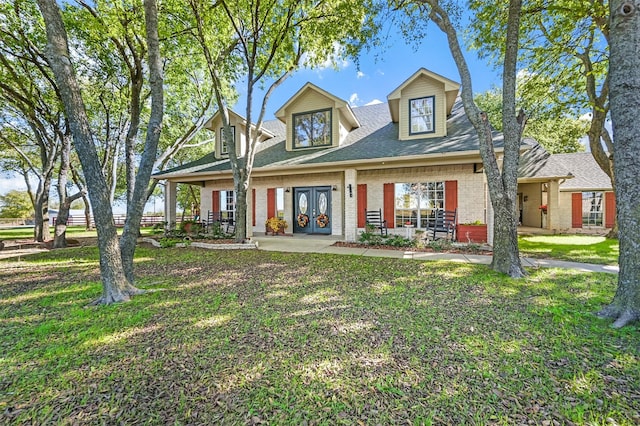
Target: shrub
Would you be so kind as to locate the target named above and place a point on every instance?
(168, 242)
(371, 238)
(440, 245)
(399, 241)
(158, 228)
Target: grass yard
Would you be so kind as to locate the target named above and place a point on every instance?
(26, 232)
(574, 248)
(250, 337)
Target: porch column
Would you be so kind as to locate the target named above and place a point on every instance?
(170, 201)
(249, 226)
(553, 205)
(350, 205)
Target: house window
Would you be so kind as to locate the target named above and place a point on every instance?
(223, 142)
(311, 129)
(592, 208)
(227, 206)
(280, 203)
(416, 202)
(422, 116)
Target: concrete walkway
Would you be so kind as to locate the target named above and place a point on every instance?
(317, 244)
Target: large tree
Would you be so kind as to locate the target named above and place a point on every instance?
(502, 179)
(267, 41)
(565, 48)
(117, 90)
(624, 72)
(116, 286)
(32, 123)
(556, 131)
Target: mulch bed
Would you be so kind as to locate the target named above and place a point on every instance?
(454, 249)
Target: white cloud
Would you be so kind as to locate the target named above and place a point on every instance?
(373, 102)
(354, 100)
(360, 74)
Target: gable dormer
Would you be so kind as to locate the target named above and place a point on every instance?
(316, 119)
(421, 105)
(238, 126)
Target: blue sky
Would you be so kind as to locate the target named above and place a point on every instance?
(380, 73)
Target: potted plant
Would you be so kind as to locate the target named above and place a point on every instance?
(186, 225)
(275, 225)
(472, 232)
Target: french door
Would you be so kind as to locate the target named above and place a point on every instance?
(312, 210)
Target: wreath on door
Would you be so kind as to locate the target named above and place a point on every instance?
(322, 220)
(303, 220)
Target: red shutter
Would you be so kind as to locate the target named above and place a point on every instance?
(388, 206)
(253, 206)
(450, 195)
(576, 210)
(609, 209)
(271, 202)
(362, 204)
(215, 202)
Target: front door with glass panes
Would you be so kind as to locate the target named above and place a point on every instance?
(312, 210)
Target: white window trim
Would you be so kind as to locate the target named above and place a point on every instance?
(423, 116)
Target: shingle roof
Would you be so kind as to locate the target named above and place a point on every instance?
(376, 138)
(587, 173)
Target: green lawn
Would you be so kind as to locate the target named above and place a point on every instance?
(248, 337)
(25, 233)
(574, 248)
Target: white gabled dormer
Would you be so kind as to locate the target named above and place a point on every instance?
(316, 119)
(422, 104)
(238, 124)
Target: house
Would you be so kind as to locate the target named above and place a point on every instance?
(566, 193)
(321, 164)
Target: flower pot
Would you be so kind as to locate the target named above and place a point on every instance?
(472, 233)
(275, 226)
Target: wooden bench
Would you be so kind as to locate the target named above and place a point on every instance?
(442, 222)
(374, 218)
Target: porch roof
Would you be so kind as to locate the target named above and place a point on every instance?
(587, 173)
(577, 171)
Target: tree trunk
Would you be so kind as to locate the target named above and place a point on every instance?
(502, 185)
(114, 284)
(241, 212)
(41, 210)
(60, 233)
(624, 71)
(506, 254)
(135, 207)
(87, 212)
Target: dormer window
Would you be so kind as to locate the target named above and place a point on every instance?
(312, 129)
(422, 116)
(224, 150)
